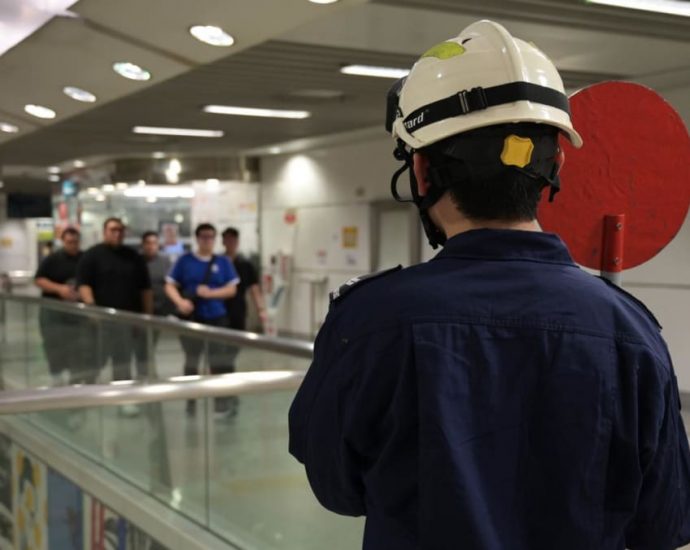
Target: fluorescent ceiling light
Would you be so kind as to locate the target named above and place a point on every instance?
(92, 190)
(79, 164)
(369, 70)
(250, 111)
(8, 128)
(673, 7)
(151, 199)
(100, 198)
(189, 132)
(108, 188)
(160, 192)
(39, 111)
(210, 34)
(78, 94)
(131, 71)
(158, 155)
(121, 185)
(53, 169)
(20, 19)
(54, 177)
(323, 1)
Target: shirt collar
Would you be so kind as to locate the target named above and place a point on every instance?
(507, 244)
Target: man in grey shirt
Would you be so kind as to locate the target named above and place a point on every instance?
(159, 265)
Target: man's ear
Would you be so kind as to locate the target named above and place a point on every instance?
(421, 173)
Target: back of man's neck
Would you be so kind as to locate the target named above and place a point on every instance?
(465, 224)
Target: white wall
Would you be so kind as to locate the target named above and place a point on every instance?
(348, 176)
(18, 245)
(326, 190)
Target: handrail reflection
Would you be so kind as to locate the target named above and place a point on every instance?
(173, 389)
(288, 346)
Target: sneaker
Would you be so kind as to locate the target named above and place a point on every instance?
(130, 410)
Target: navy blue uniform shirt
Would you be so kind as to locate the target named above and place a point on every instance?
(496, 398)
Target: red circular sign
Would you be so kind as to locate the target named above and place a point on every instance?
(635, 161)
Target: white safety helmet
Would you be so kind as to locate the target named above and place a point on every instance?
(482, 77)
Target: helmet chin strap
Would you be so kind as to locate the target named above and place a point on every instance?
(434, 235)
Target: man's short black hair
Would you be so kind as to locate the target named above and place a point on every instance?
(70, 231)
(232, 232)
(111, 220)
(501, 192)
(204, 227)
(146, 234)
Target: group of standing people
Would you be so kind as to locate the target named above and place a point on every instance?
(200, 286)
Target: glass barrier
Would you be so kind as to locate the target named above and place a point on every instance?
(222, 462)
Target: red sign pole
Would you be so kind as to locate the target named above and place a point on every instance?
(612, 251)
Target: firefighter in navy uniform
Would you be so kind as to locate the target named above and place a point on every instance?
(496, 397)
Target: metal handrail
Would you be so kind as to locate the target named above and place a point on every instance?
(131, 392)
(288, 346)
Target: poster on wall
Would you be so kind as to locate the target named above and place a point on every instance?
(65, 515)
(30, 501)
(229, 204)
(104, 529)
(6, 517)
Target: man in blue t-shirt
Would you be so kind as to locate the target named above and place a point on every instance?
(198, 285)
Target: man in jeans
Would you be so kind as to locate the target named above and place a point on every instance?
(198, 285)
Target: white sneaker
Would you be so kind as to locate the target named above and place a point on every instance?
(130, 410)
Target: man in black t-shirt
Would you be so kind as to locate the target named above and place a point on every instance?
(113, 275)
(61, 332)
(249, 282)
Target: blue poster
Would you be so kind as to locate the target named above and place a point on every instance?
(65, 514)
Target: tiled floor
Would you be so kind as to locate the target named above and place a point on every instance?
(233, 475)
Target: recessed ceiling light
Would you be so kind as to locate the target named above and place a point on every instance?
(318, 93)
(79, 164)
(78, 94)
(189, 132)
(370, 70)
(210, 34)
(131, 71)
(250, 111)
(53, 169)
(323, 1)
(673, 7)
(8, 128)
(39, 111)
(54, 177)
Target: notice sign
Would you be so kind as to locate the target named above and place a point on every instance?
(350, 235)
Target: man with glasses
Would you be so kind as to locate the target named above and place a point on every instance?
(198, 285)
(113, 275)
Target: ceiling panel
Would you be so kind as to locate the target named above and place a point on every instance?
(273, 74)
(67, 52)
(574, 13)
(164, 23)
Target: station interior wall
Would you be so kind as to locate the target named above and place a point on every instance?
(358, 174)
